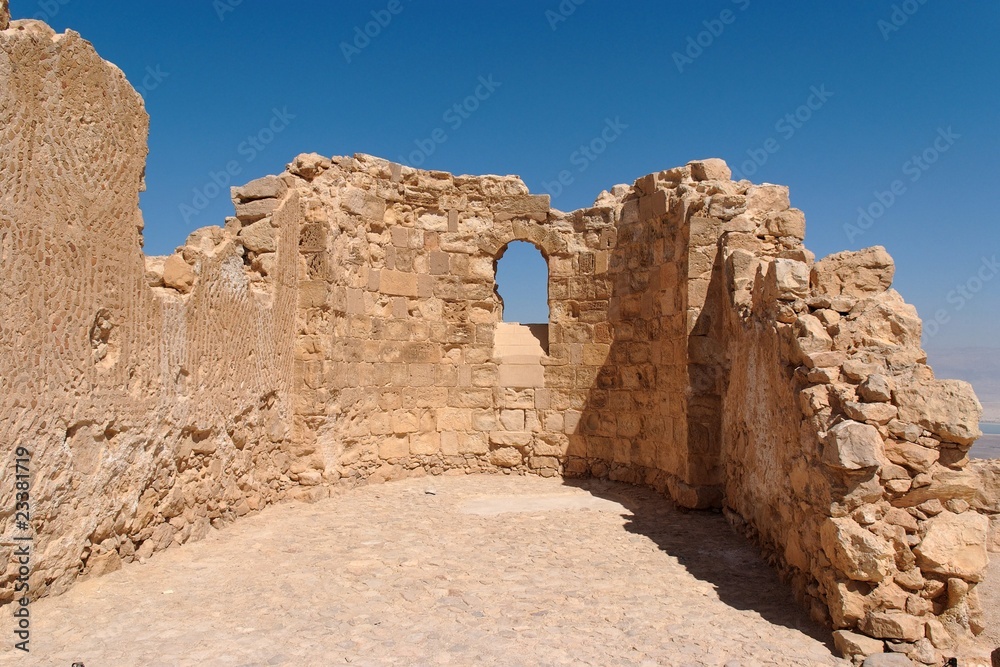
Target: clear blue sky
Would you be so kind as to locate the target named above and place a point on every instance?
(555, 85)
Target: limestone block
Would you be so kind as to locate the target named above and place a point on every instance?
(521, 375)
(255, 210)
(791, 280)
(851, 445)
(955, 546)
(394, 447)
(260, 236)
(880, 413)
(711, 169)
(790, 223)
(767, 198)
(854, 273)
(947, 408)
(425, 443)
(893, 625)
(887, 660)
(309, 165)
(850, 644)
(876, 388)
(915, 457)
(268, 187)
(533, 207)
(398, 283)
(178, 274)
(510, 438)
(855, 551)
(506, 457)
(945, 484)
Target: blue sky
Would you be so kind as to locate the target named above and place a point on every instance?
(254, 83)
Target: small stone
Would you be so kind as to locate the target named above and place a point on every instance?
(711, 169)
(309, 165)
(876, 389)
(887, 660)
(850, 644)
(955, 546)
(957, 505)
(851, 445)
(178, 274)
(430, 492)
(893, 625)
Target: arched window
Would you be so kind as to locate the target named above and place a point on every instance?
(522, 277)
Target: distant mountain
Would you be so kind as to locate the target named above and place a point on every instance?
(979, 366)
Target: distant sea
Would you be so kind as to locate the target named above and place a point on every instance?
(988, 446)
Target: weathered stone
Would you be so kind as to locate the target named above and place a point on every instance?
(791, 278)
(178, 274)
(854, 273)
(309, 165)
(256, 209)
(955, 546)
(887, 660)
(851, 445)
(850, 644)
(268, 187)
(893, 625)
(947, 408)
(855, 551)
(4, 14)
(506, 457)
(261, 236)
(767, 199)
(711, 169)
(877, 388)
(880, 413)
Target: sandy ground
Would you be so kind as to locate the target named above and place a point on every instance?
(484, 570)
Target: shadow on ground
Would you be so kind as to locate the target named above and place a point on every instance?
(711, 551)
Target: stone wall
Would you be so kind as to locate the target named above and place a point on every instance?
(151, 411)
(342, 328)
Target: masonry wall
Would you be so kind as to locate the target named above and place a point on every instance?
(341, 328)
(150, 413)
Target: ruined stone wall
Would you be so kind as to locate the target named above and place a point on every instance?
(153, 403)
(343, 328)
(844, 456)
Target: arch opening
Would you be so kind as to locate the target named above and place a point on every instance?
(522, 288)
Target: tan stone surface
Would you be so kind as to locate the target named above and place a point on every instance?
(490, 570)
(344, 328)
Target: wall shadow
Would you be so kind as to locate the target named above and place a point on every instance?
(711, 551)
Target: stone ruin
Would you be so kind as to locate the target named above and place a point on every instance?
(344, 328)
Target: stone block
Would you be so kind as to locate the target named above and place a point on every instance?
(851, 445)
(711, 169)
(521, 375)
(268, 187)
(397, 283)
(532, 207)
(954, 545)
(255, 210)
